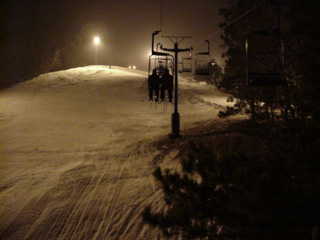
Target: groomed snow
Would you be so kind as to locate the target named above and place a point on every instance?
(75, 155)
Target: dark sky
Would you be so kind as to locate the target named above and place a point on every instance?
(125, 26)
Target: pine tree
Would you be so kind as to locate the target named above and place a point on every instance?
(198, 200)
(230, 196)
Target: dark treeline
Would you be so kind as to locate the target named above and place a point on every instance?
(282, 38)
(264, 184)
(38, 37)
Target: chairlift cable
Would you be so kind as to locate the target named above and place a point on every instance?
(161, 10)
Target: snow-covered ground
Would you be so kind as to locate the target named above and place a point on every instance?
(76, 151)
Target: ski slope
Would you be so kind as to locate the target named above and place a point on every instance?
(76, 152)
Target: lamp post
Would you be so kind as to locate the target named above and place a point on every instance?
(96, 42)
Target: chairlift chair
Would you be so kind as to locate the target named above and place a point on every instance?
(186, 64)
(202, 61)
(161, 64)
(160, 61)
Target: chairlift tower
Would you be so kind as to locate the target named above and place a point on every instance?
(175, 119)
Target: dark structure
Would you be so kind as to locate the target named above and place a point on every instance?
(175, 121)
(160, 63)
(202, 61)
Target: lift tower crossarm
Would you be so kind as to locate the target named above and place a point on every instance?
(178, 50)
(207, 52)
(177, 39)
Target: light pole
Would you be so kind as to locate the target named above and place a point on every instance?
(96, 42)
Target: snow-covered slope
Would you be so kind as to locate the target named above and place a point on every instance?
(75, 152)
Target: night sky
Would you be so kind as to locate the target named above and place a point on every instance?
(125, 26)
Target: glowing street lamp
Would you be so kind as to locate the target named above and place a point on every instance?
(96, 42)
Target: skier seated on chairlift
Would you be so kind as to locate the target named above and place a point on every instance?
(166, 85)
(153, 85)
(161, 70)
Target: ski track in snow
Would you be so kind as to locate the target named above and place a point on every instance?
(76, 153)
